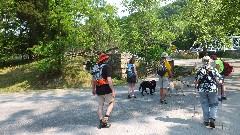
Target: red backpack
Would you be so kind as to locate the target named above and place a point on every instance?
(227, 69)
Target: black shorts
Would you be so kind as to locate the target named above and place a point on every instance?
(131, 79)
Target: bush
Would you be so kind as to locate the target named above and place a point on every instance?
(185, 55)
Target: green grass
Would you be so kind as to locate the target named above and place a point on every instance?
(17, 78)
(26, 77)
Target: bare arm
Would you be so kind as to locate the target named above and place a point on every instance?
(135, 71)
(109, 79)
(93, 88)
(217, 67)
(170, 74)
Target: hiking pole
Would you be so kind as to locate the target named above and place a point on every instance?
(221, 102)
(195, 100)
(171, 101)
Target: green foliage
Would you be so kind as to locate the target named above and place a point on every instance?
(50, 55)
(228, 16)
(229, 54)
(117, 81)
(99, 29)
(183, 56)
(155, 53)
(143, 30)
(205, 21)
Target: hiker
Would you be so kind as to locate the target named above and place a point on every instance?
(105, 91)
(221, 87)
(132, 77)
(206, 81)
(163, 76)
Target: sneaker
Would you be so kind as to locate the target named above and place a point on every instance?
(161, 101)
(224, 98)
(206, 123)
(219, 99)
(129, 96)
(134, 96)
(165, 101)
(212, 124)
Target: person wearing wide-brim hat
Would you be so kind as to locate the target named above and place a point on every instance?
(102, 58)
(163, 80)
(105, 92)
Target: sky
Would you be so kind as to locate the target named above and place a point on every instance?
(117, 3)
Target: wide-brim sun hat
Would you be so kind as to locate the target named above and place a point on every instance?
(206, 58)
(102, 57)
(164, 55)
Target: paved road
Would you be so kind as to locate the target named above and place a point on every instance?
(73, 112)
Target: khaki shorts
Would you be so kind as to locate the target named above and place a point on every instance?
(105, 98)
(163, 81)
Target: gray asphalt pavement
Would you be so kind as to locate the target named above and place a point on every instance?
(74, 112)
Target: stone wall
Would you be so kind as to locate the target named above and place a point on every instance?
(118, 63)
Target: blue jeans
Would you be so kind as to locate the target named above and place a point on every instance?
(209, 104)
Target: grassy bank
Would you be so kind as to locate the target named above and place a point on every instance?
(26, 77)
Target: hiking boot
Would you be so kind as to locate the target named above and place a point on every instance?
(212, 124)
(102, 124)
(105, 120)
(129, 96)
(224, 98)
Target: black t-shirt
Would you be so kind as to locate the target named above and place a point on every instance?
(104, 89)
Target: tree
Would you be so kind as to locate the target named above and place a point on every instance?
(9, 26)
(144, 33)
(210, 21)
(101, 28)
(228, 16)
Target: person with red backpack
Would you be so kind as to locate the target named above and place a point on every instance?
(219, 65)
(102, 86)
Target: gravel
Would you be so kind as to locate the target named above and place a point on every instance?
(74, 112)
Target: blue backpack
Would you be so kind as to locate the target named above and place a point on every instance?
(129, 70)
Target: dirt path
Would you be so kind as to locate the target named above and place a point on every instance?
(74, 112)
